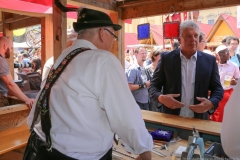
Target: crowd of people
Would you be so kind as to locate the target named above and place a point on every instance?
(151, 77)
(28, 63)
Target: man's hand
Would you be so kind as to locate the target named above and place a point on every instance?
(29, 103)
(169, 101)
(203, 107)
(233, 81)
(147, 83)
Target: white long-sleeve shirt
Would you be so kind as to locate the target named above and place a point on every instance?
(90, 102)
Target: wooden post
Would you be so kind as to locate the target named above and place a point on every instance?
(47, 38)
(59, 30)
(114, 17)
(8, 33)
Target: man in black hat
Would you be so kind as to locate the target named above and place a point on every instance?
(77, 113)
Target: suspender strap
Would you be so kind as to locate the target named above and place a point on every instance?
(42, 105)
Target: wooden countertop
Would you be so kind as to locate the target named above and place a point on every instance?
(14, 138)
(203, 126)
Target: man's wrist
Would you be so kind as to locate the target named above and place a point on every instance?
(211, 110)
(144, 85)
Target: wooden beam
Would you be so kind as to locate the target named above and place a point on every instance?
(47, 39)
(25, 23)
(114, 18)
(143, 8)
(59, 30)
(8, 33)
(16, 18)
(31, 14)
(101, 5)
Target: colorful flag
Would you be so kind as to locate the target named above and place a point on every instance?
(129, 21)
(185, 16)
(167, 18)
(238, 16)
(176, 17)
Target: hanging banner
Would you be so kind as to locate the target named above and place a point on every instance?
(167, 18)
(185, 16)
(176, 17)
(129, 21)
(238, 16)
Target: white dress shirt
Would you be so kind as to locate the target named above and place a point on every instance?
(228, 69)
(90, 102)
(188, 71)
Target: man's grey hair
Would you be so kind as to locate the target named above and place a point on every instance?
(87, 33)
(188, 24)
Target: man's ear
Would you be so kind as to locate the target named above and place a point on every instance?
(179, 40)
(5, 46)
(101, 34)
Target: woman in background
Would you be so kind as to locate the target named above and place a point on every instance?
(36, 65)
(155, 57)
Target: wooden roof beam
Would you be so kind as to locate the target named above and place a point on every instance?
(143, 8)
(106, 6)
(25, 23)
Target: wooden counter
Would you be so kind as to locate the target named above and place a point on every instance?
(208, 130)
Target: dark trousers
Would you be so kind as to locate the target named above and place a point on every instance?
(36, 150)
(143, 106)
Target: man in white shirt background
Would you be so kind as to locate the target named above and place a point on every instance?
(229, 74)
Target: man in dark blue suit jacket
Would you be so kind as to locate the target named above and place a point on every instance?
(184, 77)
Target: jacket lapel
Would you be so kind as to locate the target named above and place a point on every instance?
(178, 75)
(198, 72)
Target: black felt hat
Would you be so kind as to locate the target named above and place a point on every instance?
(89, 18)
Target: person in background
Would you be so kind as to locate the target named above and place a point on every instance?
(202, 42)
(19, 58)
(36, 65)
(229, 74)
(88, 100)
(233, 43)
(155, 56)
(148, 60)
(49, 63)
(38, 53)
(184, 76)
(127, 60)
(138, 80)
(7, 85)
(176, 45)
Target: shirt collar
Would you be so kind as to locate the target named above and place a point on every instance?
(137, 65)
(83, 43)
(193, 56)
(227, 63)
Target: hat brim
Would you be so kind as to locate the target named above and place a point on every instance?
(81, 26)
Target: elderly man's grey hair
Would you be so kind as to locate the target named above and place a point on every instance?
(87, 33)
(188, 24)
